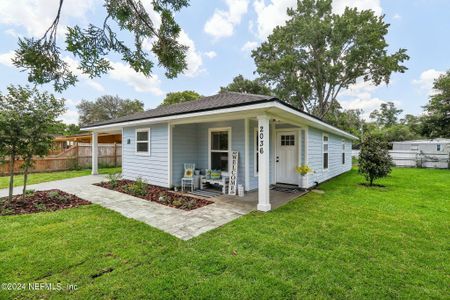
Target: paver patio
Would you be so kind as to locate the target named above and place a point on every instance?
(182, 224)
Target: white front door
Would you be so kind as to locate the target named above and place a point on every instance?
(287, 157)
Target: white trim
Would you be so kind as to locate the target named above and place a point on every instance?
(169, 158)
(94, 153)
(142, 153)
(123, 146)
(247, 154)
(210, 130)
(328, 151)
(239, 109)
(273, 137)
(264, 163)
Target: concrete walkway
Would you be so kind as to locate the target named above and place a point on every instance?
(182, 224)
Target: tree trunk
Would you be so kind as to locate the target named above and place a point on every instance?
(11, 175)
(25, 178)
(371, 181)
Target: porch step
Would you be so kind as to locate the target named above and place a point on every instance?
(206, 193)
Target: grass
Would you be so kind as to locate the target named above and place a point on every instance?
(50, 176)
(350, 242)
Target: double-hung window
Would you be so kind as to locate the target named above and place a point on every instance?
(343, 152)
(143, 141)
(219, 152)
(325, 152)
(438, 147)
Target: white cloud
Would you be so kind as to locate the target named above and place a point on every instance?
(138, 81)
(249, 46)
(222, 23)
(5, 58)
(73, 65)
(359, 96)
(426, 80)
(211, 54)
(275, 12)
(35, 16)
(193, 58)
(397, 17)
(70, 116)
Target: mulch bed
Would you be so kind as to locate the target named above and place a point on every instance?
(157, 194)
(39, 201)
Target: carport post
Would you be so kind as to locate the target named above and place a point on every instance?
(94, 154)
(264, 165)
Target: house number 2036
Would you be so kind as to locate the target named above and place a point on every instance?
(261, 140)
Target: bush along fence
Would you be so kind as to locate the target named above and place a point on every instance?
(419, 159)
(76, 157)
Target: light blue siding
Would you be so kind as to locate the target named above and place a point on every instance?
(190, 144)
(315, 156)
(152, 168)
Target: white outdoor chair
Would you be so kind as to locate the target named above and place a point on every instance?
(188, 177)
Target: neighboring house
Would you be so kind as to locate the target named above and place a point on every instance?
(272, 138)
(427, 146)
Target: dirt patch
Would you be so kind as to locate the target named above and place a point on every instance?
(155, 193)
(39, 201)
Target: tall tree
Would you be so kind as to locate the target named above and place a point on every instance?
(387, 115)
(436, 122)
(348, 120)
(40, 123)
(316, 54)
(243, 85)
(107, 107)
(374, 159)
(179, 97)
(43, 60)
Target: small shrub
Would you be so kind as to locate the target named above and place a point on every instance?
(374, 159)
(53, 194)
(190, 204)
(113, 179)
(29, 192)
(40, 206)
(177, 203)
(163, 198)
(138, 188)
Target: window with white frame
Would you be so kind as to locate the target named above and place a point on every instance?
(219, 151)
(343, 152)
(325, 152)
(256, 163)
(438, 147)
(143, 141)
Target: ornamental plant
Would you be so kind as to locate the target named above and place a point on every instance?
(374, 159)
(303, 170)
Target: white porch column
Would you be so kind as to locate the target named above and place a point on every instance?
(94, 154)
(264, 163)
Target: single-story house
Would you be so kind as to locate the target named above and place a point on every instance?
(427, 146)
(271, 137)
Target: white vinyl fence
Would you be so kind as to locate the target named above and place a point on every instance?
(413, 159)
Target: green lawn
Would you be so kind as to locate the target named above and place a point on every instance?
(351, 242)
(45, 177)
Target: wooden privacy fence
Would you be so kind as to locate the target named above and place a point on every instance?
(75, 157)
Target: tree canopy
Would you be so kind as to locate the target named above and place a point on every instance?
(179, 97)
(43, 60)
(243, 85)
(317, 53)
(107, 107)
(436, 122)
(387, 115)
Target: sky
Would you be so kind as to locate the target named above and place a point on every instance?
(220, 35)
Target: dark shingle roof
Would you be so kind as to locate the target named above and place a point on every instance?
(222, 100)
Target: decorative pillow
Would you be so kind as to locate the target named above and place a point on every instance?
(216, 174)
(188, 172)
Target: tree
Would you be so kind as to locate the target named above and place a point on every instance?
(387, 116)
(348, 120)
(107, 108)
(242, 85)
(179, 97)
(40, 122)
(316, 54)
(26, 119)
(44, 62)
(436, 122)
(374, 159)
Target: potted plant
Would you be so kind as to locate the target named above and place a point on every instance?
(303, 170)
